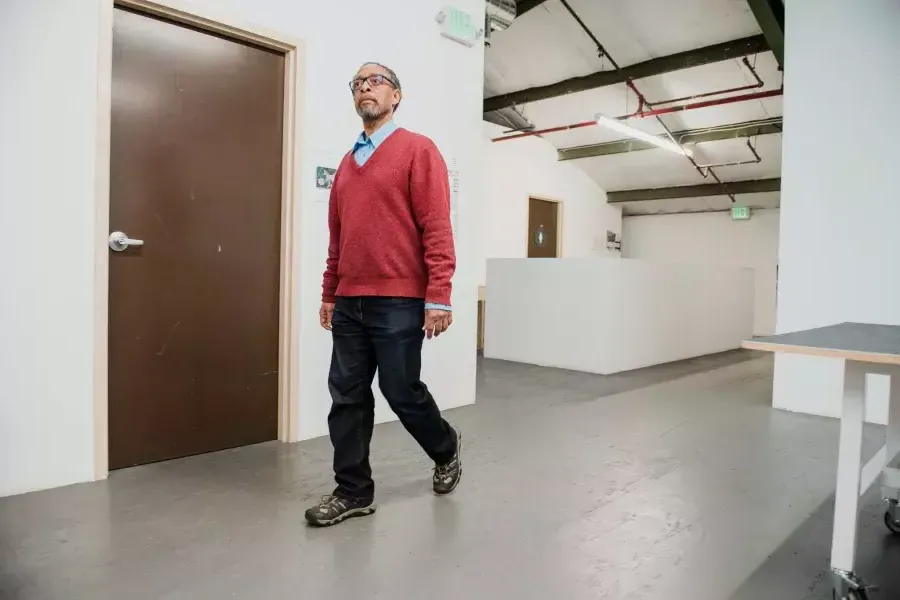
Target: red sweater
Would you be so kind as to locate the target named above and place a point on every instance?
(389, 222)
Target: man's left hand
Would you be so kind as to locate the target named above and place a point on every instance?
(437, 322)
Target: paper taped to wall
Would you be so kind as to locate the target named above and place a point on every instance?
(454, 195)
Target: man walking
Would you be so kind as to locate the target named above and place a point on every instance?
(386, 287)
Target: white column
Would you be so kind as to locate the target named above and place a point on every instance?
(839, 206)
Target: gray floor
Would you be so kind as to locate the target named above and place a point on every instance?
(672, 482)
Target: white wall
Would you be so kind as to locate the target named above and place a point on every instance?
(713, 238)
(641, 313)
(840, 213)
(48, 133)
(517, 169)
(47, 149)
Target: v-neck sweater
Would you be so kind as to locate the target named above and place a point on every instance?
(389, 224)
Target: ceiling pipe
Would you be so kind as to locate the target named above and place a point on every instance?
(499, 15)
(705, 104)
(651, 113)
(753, 86)
(753, 161)
(643, 100)
(653, 67)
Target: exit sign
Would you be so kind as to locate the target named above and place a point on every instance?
(458, 26)
(740, 213)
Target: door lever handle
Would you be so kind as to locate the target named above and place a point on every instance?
(118, 241)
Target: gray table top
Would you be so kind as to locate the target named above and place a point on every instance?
(854, 341)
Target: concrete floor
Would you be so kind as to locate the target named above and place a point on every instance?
(671, 482)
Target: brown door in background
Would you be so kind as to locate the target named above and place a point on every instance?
(480, 328)
(543, 228)
(196, 168)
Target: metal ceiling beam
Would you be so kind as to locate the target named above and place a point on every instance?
(696, 191)
(523, 6)
(696, 136)
(770, 16)
(655, 66)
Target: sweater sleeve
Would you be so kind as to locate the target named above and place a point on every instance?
(430, 196)
(330, 278)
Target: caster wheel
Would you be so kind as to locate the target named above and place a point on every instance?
(891, 524)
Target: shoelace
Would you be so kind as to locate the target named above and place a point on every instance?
(329, 502)
(442, 472)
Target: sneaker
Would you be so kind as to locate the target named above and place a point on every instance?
(333, 509)
(446, 477)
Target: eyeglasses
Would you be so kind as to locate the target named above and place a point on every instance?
(372, 80)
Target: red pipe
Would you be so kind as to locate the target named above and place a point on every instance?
(743, 88)
(641, 114)
(707, 103)
(753, 86)
(542, 131)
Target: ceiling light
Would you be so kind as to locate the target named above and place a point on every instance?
(630, 131)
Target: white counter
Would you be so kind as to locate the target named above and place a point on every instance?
(610, 315)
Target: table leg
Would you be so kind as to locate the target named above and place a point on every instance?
(893, 426)
(846, 503)
(890, 477)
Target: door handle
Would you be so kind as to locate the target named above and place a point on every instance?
(118, 241)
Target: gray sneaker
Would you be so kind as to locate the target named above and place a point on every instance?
(446, 477)
(332, 510)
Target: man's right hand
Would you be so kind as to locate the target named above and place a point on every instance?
(325, 315)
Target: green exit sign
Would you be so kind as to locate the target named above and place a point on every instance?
(458, 26)
(740, 213)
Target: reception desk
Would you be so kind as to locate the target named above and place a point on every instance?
(610, 315)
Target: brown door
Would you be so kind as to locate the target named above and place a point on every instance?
(480, 330)
(543, 228)
(196, 175)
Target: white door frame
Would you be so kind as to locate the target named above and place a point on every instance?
(217, 21)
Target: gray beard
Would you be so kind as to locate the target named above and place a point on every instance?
(370, 112)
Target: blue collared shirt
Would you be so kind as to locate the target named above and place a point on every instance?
(363, 149)
(366, 146)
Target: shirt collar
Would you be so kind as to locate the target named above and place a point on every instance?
(377, 137)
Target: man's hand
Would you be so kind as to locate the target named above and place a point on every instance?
(437, 322)
(325, 315)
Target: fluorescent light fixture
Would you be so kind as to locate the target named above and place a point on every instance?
(633, 132)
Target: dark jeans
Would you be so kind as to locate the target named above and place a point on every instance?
(383, 334)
